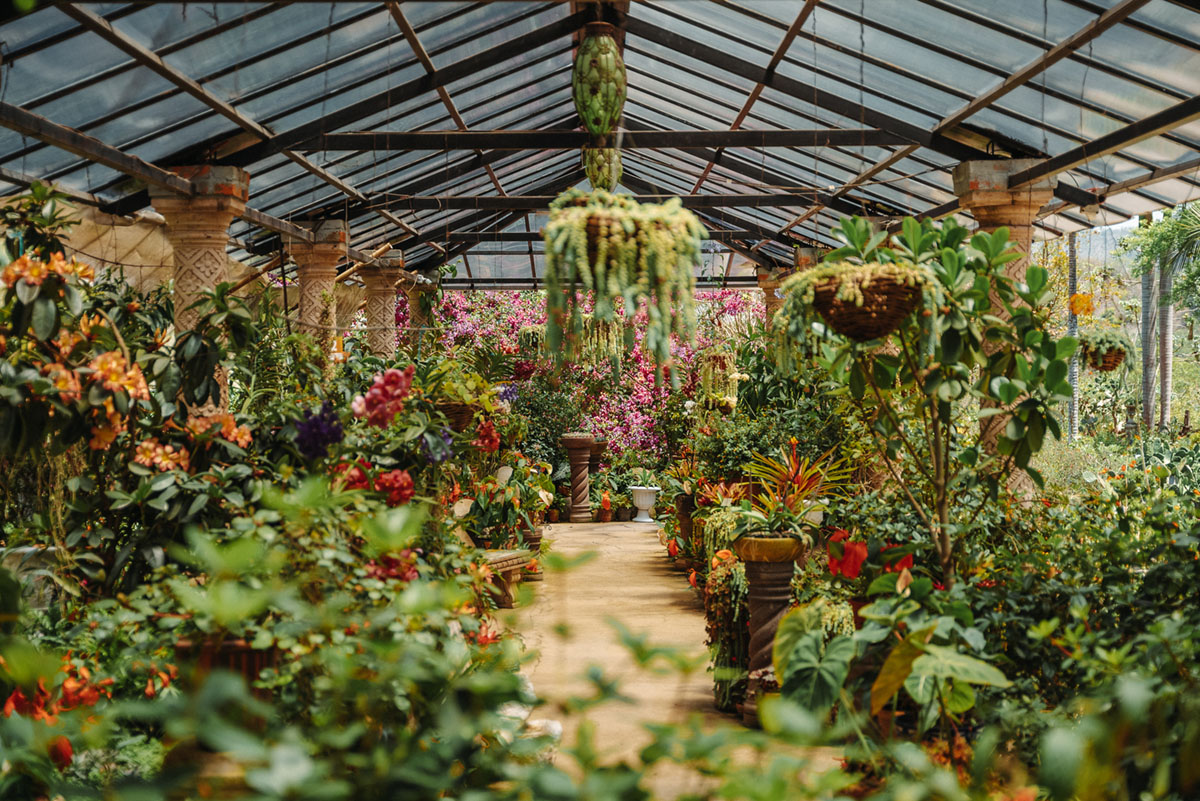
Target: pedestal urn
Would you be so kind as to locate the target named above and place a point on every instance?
(643, 499)
(770, 564)
(579, 447)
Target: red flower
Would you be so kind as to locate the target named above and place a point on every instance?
(486, 437)
(903, 563)
(61, 752)
(692, 578)
(398, 484)
(354, 475)
(853, 554)
(673, 548)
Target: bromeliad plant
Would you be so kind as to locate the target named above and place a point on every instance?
(623, 253)
(978, 347)
(795, 491)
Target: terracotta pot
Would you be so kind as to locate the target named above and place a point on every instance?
(233, 655)
(603, 516)
(685, 505)
(623, 514)
(552, 515)
(768, 549)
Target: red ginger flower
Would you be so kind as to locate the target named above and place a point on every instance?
(850, 563)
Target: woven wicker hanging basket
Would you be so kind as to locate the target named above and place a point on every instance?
(460, 415)
(1104, 362)
(885, 303)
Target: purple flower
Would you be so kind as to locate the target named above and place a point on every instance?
(437, 447)
(508, 393)
(315, 432)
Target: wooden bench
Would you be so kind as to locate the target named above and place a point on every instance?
(507, 565)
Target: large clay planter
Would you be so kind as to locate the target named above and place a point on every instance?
(579, 446)
(685, 505)
(770, 564)
(643, 499)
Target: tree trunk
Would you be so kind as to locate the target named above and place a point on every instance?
(1147, 343)
(1166, 344)
(1072, 331)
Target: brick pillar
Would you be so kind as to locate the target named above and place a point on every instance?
(317, 268)
(380, 279)
(982, 188)
(198, 229)
(417, 318)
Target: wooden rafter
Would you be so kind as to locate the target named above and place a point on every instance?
(542, 201)
(573, 140)
(80, 144)
(780, 51)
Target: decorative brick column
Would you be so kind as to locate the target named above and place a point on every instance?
(317, 268)
(982, 188)
(198, 229)
(380, 279)
(418, 320)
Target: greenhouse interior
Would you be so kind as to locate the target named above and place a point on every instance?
(600, 401)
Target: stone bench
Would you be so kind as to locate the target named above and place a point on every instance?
(507, 565)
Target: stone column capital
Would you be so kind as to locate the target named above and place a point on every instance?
(982, 188)
(327, 249)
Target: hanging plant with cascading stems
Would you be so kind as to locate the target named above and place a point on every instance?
(598, 79)
(624, 253)
(603, 167)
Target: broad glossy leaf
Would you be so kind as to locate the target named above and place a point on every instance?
(815, 679)
(946, 663)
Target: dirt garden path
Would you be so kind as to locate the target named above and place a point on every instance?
(567, 622)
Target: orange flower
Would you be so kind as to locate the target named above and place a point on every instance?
(1083, 304)
(60, 752)
(64, 380)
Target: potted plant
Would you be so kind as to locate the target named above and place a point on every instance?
(623, 253)
(772, 534)
(621, 503)
(1104, 350)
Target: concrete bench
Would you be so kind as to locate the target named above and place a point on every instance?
(507, 565)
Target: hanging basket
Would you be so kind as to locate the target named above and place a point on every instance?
(460, 415)
(885, 303)
(1106, 361)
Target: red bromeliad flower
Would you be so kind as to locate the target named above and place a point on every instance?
(850, 561)
(904, 562)
(60, 751)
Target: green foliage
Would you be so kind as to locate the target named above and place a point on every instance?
(552, 411)
(980, 340)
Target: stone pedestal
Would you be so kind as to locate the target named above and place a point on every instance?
(380, 280)
(317, 267)
(598, 449)
(770, 564)
(579, 446)
(198, 229)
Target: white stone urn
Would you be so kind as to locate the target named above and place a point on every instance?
(643, 499)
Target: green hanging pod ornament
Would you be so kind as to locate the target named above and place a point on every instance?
(603, 167)
(598, 79)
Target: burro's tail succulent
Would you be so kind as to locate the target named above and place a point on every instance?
(598, 79)
(603, 167)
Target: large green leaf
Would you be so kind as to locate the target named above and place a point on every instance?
(942, 662)
(892, 675)
(814, 679)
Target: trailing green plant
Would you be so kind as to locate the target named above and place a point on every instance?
(852, 276)
(623, 253)
(1096, 343)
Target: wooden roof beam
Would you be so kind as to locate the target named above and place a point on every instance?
(573, 140)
